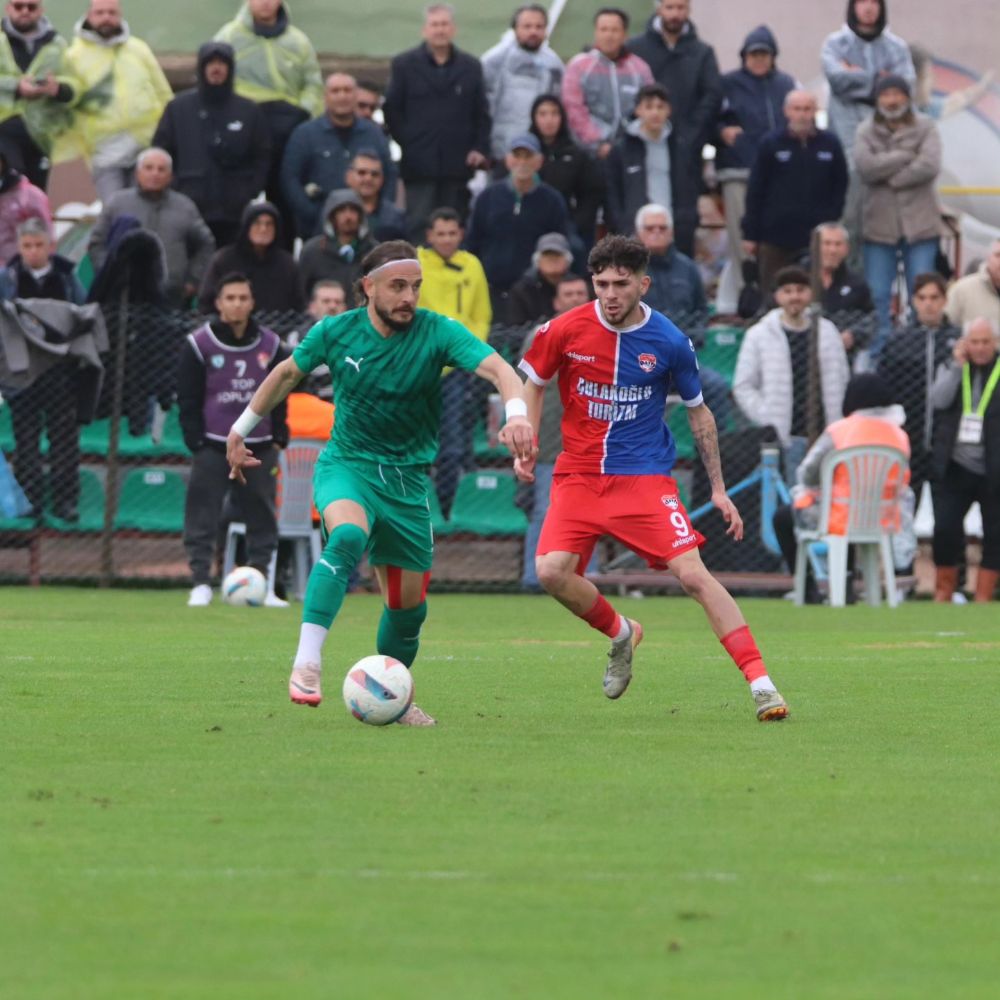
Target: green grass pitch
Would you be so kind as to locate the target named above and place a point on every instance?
(171, 827)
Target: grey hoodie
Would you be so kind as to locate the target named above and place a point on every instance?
(658, 187)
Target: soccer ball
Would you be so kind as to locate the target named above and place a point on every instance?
(244, 587)
(378, 690)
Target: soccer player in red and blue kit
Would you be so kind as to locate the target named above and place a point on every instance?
(616, 360)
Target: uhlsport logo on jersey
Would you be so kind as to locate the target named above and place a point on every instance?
(670, 501)
(647, 362)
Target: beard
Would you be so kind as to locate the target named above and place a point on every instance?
(894, 114)
(391, 321)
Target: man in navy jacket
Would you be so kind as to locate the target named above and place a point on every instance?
(798, 180)
(435, 108)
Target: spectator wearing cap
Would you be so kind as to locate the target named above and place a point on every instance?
(643, 167)
(510, 215)
(798, 180)
(771, 381)
(897, 155)
(518, 69)
(601, 84)
(571, 170)
(435, 108)
(319, 153)
(258, 253)
(533, 294)
(753, 104)
(219, 142)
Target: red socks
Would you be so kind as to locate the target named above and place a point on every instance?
(740, 645)
(603, 617)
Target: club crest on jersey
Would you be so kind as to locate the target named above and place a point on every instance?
(218, 360)
(670, 501)
(647, 362)
(263, 359)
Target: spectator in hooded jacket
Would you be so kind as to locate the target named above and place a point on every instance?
(435, 108)
(855, 58)
(338, 250)
(572, 171)
(276, 66)
(798, 180)
(110, 131)
(909, 362)
(897, 155)
(37, 272)
(187, 242)
(219, 142)
(644, 167)
(320, 151)
(600, 86)
(753, 104)
(30, 54)
(257, 252)
(20, 200)
(687, 67)
(517, 70)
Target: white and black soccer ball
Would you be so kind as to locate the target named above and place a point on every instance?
(245, 587)
(378, 690)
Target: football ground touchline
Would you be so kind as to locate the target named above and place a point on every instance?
(459, 875)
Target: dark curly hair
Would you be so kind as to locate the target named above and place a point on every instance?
(619, 252)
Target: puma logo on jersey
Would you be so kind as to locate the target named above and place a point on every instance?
(357, 364)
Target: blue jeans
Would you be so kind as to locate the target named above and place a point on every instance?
(881, 265)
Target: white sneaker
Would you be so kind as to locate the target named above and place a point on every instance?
(619, 670)
(273, 601)
(200, 596)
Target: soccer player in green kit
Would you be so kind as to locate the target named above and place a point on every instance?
(370, 483)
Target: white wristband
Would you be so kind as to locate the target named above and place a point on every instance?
(246, 422)
(516, 408)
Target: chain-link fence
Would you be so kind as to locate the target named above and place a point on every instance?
(104, 479)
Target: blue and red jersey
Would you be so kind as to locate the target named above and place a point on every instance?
(614, 386)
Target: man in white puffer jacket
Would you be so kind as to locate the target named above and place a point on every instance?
(519, 68)
(771, 382)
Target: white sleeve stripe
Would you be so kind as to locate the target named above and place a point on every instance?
(697, 401)
(531, 373)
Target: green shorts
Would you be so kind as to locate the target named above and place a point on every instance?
(394, 499)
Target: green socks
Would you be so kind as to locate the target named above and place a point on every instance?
(329, 577)
(399, 632)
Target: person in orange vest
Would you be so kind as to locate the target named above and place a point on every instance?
(871, 417)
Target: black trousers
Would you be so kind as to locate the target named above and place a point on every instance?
(424, 195)
(953, 495)
(207, 490)
(49, 403)
(34, 163)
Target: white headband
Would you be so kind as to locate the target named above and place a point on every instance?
(391, 263)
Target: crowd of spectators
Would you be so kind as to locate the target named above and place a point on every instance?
(506, 168)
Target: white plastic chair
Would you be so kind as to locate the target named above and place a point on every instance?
(869, 470)
(295, 521)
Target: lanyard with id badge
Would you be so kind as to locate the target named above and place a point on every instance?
(970, 429)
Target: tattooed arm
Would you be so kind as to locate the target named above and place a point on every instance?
(706, 438)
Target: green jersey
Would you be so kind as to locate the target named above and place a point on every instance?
(387, 390)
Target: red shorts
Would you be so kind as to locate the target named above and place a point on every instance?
(644, 513)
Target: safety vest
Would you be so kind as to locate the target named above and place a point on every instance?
(857, 431)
